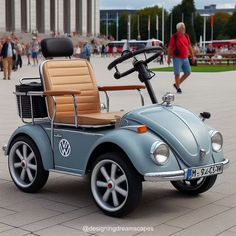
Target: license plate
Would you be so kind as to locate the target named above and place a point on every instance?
(194, 173)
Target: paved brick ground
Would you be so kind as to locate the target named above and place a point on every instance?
(65, 205)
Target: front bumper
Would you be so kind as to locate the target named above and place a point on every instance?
(174, 175)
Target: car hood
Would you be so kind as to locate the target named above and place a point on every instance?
(183, 131)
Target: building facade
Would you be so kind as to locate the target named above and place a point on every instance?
(212, 10)
(44, 16)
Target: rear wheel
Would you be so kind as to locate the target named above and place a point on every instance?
(116, 187)
(25, 165)
(196, 186)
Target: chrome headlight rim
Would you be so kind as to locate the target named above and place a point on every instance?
(214, 134)
(154, 148)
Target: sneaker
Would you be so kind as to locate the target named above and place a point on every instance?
(177, 89)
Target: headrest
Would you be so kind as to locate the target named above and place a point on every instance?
(57, 47)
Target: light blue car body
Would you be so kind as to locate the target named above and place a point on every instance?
(184, 133)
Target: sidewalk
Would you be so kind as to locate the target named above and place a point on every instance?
(65, 205)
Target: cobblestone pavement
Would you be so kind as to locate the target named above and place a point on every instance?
(65, 206)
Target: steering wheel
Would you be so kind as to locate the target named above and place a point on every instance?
(128, 55)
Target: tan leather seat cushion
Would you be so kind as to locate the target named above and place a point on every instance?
(92, 118)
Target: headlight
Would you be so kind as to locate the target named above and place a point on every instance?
(160, 153)
(216, 141)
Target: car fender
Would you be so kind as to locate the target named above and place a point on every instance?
(40, 138)
(137, 148)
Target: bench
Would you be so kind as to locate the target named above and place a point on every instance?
(226, 59)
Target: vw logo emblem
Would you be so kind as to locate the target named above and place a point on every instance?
(64, 148)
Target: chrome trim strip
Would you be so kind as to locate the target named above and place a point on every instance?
(141, 96)
(165, 176)
(176, 175)
(226, 163)
(72, 131)
(65, 172)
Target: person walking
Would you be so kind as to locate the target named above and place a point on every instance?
(35, 50)
(179, 50)
(28, 53)
(19, 51)
(8, 56)
(85, 50)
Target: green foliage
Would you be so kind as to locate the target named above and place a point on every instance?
(230, 28)
(185, 11)
(143, 22)
(204, 69)
(198, 26)
(123, 26)
(221, 19)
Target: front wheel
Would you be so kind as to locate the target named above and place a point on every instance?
(116, 187)
(25, 165)
(195, 186)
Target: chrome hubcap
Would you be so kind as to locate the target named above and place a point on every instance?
(109, 185)
(22, 164)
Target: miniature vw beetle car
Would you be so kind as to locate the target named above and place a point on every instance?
(119, 150)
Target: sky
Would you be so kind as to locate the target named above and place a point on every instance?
(168, 4)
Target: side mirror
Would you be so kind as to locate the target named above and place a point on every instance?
(205, 115)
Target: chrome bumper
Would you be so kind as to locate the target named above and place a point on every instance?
(174, 175)
(4, 148)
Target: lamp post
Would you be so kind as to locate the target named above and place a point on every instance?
(163, 25)
(138, 28)
(204, 29)
(107, 24)
(117, 26)
(157, 25)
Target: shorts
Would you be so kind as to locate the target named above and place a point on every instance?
(34, 54)
(181, 64)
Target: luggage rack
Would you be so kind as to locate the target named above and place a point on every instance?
(32, 106)
(30, 100)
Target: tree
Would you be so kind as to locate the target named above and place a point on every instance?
(198, 26)
(184, 12)
(143, 16)
(123, 26)
(220, 22)
(230, 28)
(188, 8)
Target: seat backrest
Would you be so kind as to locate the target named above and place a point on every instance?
(71, 75)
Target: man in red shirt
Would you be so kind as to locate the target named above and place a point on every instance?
(179, 49)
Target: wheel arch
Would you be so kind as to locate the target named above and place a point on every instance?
(39, 137)
(107, 147)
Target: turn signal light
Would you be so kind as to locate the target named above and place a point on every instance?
(142, 129)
